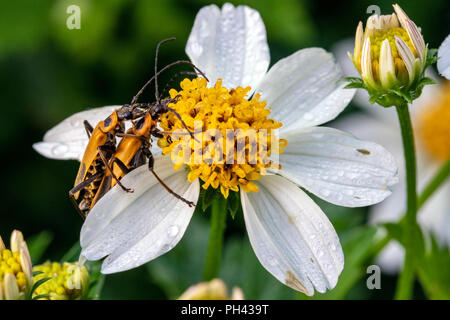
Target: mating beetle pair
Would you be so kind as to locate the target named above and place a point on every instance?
(104, 163)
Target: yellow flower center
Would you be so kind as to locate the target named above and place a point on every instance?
(434, 125)
(233, 136)
(10, 263)
(67, 283)
(377, 38)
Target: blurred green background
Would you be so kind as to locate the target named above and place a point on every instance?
(49, 72)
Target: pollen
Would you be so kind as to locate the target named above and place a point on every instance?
(434, 128)
(231, 137)
(377, 38)
(10, 263)
(67, 282)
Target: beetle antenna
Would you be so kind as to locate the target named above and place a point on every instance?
(164, 69)
(156, 66)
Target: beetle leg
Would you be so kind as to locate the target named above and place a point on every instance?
(102, 156)
(88, 128)
(182, 122)
(176, 195)
(129, 135)
(121, 165)
(157, 133)
(80, 186)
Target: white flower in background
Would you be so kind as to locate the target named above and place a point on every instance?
(431, 117)
(291, 236)
(443, 63)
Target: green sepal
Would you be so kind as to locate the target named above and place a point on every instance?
(234, 203)
(354, 83)
(432, 57)
(208, 197)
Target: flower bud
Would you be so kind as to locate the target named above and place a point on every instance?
(69, 281)
(15, 268)
(212, 290)
(391, 56)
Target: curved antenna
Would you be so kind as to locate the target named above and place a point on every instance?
(164, 69)
(172, 79)
(156, 66)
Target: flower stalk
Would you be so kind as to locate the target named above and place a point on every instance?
(214, 253)
(406, 279)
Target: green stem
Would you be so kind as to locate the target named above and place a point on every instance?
(213, 255)
(433, 185)
(406, 280)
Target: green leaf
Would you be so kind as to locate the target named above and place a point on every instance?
(36, 273)
(96, 288)
(38, 283)
(433, 271)
(38, 244)
(96, 280)
(73, 253)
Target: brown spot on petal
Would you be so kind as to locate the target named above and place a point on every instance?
(363, 151)
(291, 219)
(294, 283)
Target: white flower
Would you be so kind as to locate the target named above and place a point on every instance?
(432, 143)
(291, 236)
(443, 63)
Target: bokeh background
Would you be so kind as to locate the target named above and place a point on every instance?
(48, 72)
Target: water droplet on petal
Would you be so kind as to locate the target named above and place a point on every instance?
(75, 123)
(173, 231)
(59, 149)
(308, 116)
(272, 260)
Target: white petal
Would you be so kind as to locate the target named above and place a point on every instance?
(134, 228)
(68, 139)
(443, 63)
(291, 236)
(337, 167)
(303, 89)
(230, 44)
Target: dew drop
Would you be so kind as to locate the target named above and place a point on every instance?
(75, 123)
(320, 253)
(173, 231)
(308, 116)
(272, 260)
(325, 192)
(59, 149)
